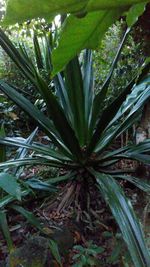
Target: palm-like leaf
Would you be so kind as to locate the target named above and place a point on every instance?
(82, 131)
(125, 217)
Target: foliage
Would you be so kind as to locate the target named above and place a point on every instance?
(81, 131)
(131, 59)
(90, 22)
(86, 256)
(79, 126)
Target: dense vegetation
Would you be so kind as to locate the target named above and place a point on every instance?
(78, 104)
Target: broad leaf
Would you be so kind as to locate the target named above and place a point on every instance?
(124, 215)
(78, 34)
(9, 184)
(134, 12)
(19, 11)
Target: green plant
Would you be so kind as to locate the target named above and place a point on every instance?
(81, 131)
(86, 256)
(87, 19)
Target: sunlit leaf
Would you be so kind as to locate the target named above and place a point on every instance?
(90, 29)
(134, 12)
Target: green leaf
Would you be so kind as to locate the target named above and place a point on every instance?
(40, 185)
(124, 215)
(31, 161)
(88, 83)
(29, 216)
(2, 148)
(134, 13)
(139, 182)
(74, 85)
(109, 4)
(5, 230)
(20, 58)
(8, 199)
(100, 97)
(9, 184)
(59, 119)
(117, 126)
(38, 54)
(78, 34)
(19, 11)
(33, 111)
(55, 251)
(40, 148)
(107, 115)
(62, 178)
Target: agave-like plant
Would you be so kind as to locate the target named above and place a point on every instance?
(82, 129)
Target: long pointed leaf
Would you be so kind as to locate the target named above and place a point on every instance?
(99, 98)
(75, 90)
(138, 182)
(125, 217)
(37, 115)
(59, 119)
(5, 230)
(113, 108)
(40, 148)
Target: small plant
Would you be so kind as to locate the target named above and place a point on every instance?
(87, 256)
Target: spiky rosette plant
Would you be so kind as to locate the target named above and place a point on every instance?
(82, 129)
